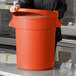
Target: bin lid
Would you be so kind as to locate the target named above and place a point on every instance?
(35, 12)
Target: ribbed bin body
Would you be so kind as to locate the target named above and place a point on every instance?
(35, 41)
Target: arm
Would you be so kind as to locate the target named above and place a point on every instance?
(22, 4)
(61, 8)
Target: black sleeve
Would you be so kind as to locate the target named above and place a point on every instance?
(61, 8)
(25, 3)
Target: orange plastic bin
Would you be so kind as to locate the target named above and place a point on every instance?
(35, 38)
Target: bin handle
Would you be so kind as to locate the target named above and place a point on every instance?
(11, 24)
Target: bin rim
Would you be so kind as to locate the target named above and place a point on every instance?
(34, 18)
(37, 11)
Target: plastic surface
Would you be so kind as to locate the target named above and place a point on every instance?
(35, 38)
(66, 67)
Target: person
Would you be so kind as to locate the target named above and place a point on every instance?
(52, 5)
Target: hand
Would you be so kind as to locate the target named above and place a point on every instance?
(14, 7)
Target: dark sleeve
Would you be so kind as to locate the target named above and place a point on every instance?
(25, 3)
(61, 8)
